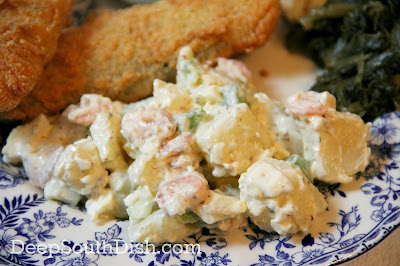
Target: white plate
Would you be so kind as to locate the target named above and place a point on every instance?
(360, 214)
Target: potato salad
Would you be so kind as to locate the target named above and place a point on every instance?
(207, 151)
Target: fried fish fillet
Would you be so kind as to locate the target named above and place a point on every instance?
(119, 53)
(29, 31)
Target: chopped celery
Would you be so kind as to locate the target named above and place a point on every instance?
(195, 117)
(302, 164)
(189, 70)
(233, 94)
(188, 218)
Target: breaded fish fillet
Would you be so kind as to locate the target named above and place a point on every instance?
(29, 31)
(119, 53)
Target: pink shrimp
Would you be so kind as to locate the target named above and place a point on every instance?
(181, 151)
(90, 106)
(142, 122)
(39, 166)
(307, 104)
(182, 194)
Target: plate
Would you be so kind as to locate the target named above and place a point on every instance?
(35, 231)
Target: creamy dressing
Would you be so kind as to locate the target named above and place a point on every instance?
(205, 152)
(220, 207)
(39, 144)
(279, 197)
(323, 139)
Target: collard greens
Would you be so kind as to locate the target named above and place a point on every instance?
(357, 44)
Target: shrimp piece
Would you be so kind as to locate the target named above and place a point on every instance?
(306, 107)
(142, 123)
(185, 193)
(233, 68)
(39, 167)
(311, 103)
(181, 152)
(90, 106)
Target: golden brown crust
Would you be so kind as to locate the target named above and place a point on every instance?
(29, 30)
(119, 53)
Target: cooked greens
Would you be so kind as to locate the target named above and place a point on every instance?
(357, 44)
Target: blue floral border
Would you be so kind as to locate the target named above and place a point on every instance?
(11, 176)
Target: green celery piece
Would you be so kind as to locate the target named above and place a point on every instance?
(302, 164)
(195, 117)
(188, 218)
(233, 94)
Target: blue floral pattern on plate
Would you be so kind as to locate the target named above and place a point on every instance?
(11, 176)
(343, 232)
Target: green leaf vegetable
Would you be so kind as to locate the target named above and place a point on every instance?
(357, 44)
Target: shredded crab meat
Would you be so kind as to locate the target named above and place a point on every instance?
(142, 123)
(90, 106)
(185, 193)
